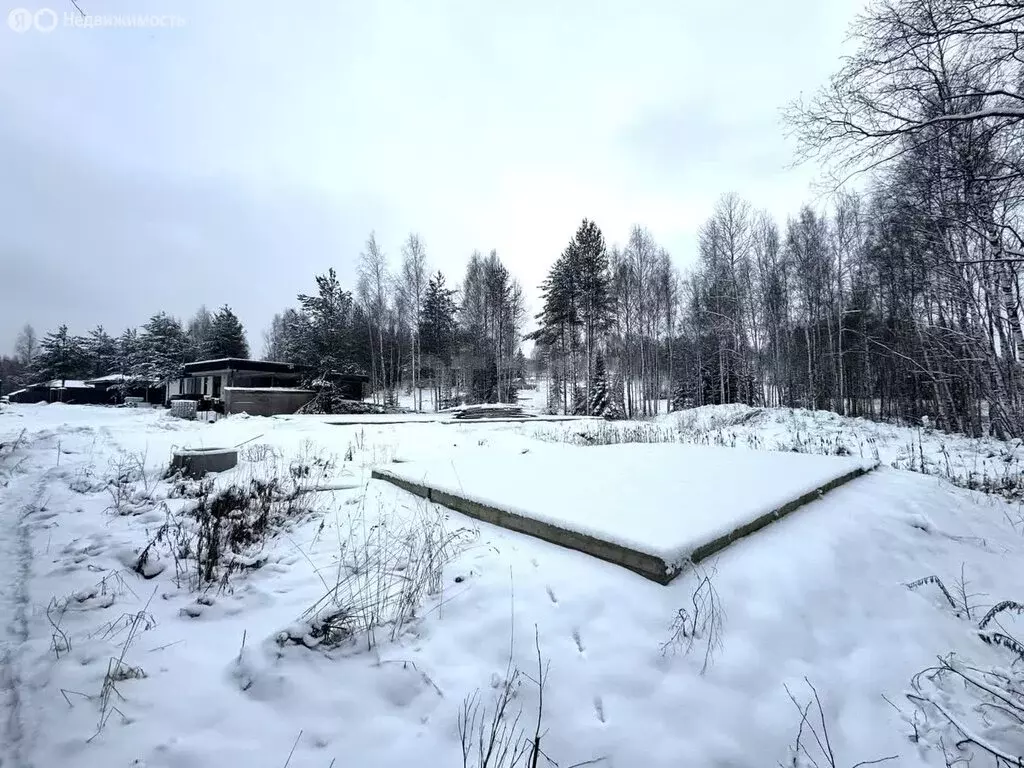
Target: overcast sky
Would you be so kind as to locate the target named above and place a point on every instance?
(229, 158)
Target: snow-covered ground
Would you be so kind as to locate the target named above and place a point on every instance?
(369, 624)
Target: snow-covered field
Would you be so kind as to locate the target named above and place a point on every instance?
(361, 626)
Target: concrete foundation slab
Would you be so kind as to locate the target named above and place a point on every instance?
(649, 508)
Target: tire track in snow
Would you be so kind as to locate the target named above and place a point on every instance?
(15, 570)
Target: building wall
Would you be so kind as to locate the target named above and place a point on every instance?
(192, 385)
(71, 395)
(265, 402)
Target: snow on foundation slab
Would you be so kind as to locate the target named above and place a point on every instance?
(649, 508)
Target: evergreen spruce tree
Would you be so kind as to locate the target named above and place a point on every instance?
(616, 397)
(437, 332)
(437, 324)
(519, 365)
(681, 396)
(12, 374)
(128, 361)
(600, 396)
(555, 392)
(61, 357)
(578, 298)
(322, 334)
(162, 349)
(101, 352)
(225, 337)
(485, 382)
(596, 300)
(579, 401)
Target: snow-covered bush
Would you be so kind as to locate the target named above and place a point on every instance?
(964, 710)
(386, 571)
(698, 625)
(227, 520)
(8, 457)
(130, 484)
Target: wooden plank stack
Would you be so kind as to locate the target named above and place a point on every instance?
(482, 413)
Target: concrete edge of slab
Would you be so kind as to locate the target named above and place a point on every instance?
(648, 566)
(717, 545)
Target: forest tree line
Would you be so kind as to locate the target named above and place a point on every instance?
(410, 330)
(900, 300)
(141, 356)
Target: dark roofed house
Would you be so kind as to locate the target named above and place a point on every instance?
(59, 391)
(255, 387)
(103, 390)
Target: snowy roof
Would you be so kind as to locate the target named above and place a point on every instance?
(239, 364)
(268, 389)
(61, 384)
(113, 378)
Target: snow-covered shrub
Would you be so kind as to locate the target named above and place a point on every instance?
(130, 483)
(256, 453)
(603, 433)
(968, 711)
(700, 623)
(386, 571)
(493, 735)
(229, 519)
(119, 670)
(9, 450)
(233, 525)
(500, 734)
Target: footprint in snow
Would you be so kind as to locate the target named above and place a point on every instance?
(551, 594)
(195, 610)
(535, 563)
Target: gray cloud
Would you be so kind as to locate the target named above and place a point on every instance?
(87, 245)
